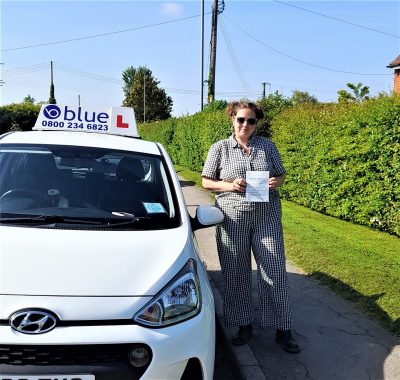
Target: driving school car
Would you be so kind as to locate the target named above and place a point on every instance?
(100, 276)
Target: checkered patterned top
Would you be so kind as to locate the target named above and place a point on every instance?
(226, 160)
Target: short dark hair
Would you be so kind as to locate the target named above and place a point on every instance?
(233, 107)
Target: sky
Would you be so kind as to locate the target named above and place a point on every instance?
(313, 46)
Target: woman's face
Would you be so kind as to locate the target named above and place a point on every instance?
(244, 123)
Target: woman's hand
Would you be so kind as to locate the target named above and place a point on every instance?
(239, 184)
(274, 182)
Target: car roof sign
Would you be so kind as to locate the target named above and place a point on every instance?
(114, 120)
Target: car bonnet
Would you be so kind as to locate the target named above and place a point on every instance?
(90, 263)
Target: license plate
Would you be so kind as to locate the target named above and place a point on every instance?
(47, 377)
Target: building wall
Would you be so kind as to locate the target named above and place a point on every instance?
(396, 82)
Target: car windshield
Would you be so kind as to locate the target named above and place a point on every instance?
(85, 187)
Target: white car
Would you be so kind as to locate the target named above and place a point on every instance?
(99, 272)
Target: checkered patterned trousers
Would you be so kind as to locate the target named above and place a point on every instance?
(256, 228)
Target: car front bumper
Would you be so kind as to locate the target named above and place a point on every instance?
(171, 348)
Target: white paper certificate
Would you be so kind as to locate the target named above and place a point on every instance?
(257, 189)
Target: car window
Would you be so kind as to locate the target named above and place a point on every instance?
(85, 183)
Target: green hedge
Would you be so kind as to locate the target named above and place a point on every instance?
(18, 116)
(341, 159)
(188, 139)
(344, 160)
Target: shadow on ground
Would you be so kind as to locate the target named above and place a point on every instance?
(337, 340)
(186, 183)
(365, 303)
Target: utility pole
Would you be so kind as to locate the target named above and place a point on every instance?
(79, 100)
(1, 80)
(265, 83)
(217, 8)
(202, 57)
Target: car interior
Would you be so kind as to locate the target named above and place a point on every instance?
(73, 178)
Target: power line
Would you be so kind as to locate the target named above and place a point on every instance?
(238, 93)
(92, 76)
(86, 74)
(101, 34)
(89, 75)
(298, 59)
(233, 55)
(25, 69)
(181, 91)
(337, 19)
(17, 71)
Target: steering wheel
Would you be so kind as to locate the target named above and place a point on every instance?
(22, 193)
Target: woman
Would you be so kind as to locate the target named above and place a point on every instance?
(250, 226)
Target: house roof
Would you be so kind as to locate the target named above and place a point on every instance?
(394, 63)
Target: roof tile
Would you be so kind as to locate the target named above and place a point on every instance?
(395, 63)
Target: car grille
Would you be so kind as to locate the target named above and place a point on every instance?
(64, 354)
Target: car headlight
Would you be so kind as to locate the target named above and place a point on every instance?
(177, 302)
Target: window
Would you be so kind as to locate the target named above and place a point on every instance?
(85, 184)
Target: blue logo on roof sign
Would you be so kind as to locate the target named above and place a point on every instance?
(114, 120)
(51, 111)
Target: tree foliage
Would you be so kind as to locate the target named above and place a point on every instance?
(187, 139)
(29, 99)
(52, 99)
(344, 159)
(301, 97)
(271, 106)
(142, 92)
(18, 116)
(216, 105)
(358, 94)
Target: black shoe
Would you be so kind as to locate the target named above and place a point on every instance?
(243, 335)
(285, 339)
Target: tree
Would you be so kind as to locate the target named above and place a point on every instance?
(299, 97)
(359, 93)
(18, 116)
(141, 91)
(271, 106)
(52, 99)
(29, 99)
(216, 105)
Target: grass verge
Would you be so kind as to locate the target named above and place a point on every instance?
(189, 175)
(360, 264)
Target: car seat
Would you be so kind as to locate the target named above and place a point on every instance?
(127, 192)
(39, 173)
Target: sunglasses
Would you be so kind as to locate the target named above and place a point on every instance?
(250, 121)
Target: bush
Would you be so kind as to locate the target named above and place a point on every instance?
(344, 160)
(18, 116)
(189, 138)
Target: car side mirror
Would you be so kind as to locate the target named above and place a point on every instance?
(206, 216)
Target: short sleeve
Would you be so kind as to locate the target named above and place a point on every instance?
(277, 161)
(212, 165)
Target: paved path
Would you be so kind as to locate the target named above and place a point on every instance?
(338, 341)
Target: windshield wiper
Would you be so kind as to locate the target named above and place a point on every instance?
(47, 219)
(125, 222)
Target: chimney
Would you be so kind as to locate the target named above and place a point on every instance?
(396, 82)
